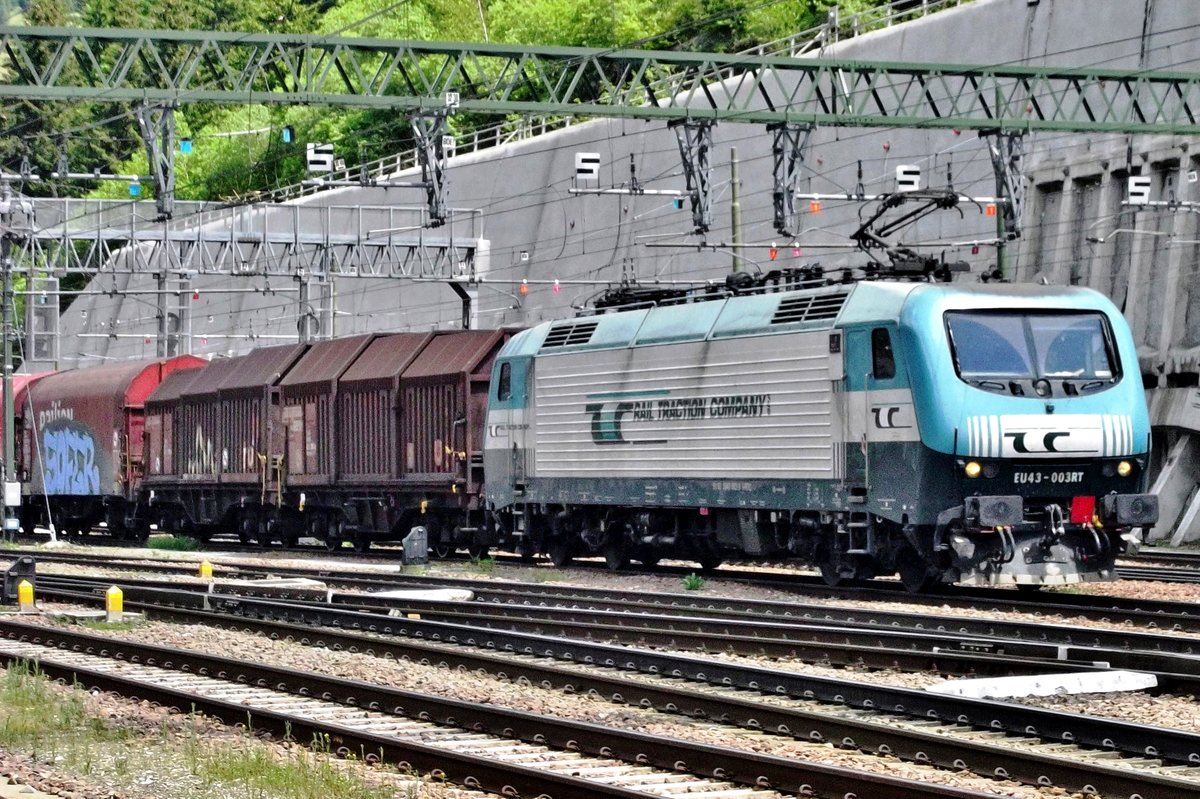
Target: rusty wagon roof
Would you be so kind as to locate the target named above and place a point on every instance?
(386, 357)
(175, 384)
(453, 353)
(251, 371)
(325, 361)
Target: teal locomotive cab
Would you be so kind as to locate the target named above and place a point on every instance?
(883, 435)
(507, 450)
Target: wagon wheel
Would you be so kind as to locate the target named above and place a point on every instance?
(247, 528)
(362, 541)
(265, 533)
(616, 552)
(561, 551)
(830, 569)
(709, 557)
(333, 535)
(916, 575)
(441, 546)
(649, 559)
(477, 552)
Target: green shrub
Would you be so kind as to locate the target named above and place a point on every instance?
(178, 543)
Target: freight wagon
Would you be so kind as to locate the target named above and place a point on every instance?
(351, 440)
(81, 444)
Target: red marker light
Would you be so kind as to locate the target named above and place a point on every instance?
(195, 296)
(773, 253)
(991, 209)
(524, 287)
(557, 288)
(815, 206)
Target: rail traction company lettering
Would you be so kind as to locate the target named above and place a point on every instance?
(730, 406)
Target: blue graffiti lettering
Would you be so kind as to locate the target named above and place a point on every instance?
(69, 462)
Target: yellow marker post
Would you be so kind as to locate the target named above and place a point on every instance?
(25, 597)
(205, 570)
(114, 605)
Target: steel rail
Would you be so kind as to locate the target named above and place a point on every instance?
(766, 628)
(1180, 616)
(945, 747)
(1140, 740)
(842, 646)
(743, 767)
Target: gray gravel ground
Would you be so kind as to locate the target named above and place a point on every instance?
(1178, 712)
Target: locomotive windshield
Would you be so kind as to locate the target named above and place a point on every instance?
(1012, 345)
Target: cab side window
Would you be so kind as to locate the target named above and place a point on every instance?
(504, 384)
(883, 360)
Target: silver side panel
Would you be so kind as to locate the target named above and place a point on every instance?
(750, 407)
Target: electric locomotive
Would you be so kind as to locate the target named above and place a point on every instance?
(960, 433)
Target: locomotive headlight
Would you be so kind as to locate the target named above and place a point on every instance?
(973, 469)
(1124, 468)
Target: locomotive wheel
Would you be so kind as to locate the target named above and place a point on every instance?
(560, 551)
(830, 572)
(616, 553)
(915, 574)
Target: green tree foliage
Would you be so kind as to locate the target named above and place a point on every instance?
(566, 22)
(380, 19)
(106, 136)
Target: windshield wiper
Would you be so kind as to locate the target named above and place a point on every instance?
(990, 385)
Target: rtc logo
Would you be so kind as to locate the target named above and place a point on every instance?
(606, 422)
(888, 417)
(1028, 442)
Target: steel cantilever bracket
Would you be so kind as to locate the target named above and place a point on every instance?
(695, 143)
(791, 140)
(429, 128)
(157, 124)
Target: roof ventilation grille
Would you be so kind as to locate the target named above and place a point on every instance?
(809, 308)
(570, 334)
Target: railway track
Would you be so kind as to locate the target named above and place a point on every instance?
(1036, 746)
(1133, 613)
(905, 642)
(1134, 568)
(486, 748)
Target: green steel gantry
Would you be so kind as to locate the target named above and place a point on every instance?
(172, 67)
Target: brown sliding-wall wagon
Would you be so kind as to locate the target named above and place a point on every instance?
(351, 440)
